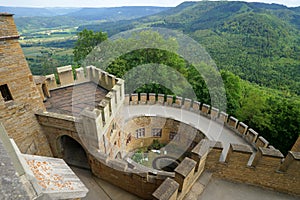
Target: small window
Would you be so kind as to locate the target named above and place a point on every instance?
(156, 132)
(128, 139)
(5, 93)
(140, 132)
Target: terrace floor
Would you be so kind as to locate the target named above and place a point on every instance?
(74, 99)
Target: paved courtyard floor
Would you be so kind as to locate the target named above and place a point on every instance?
(99, 189)
(224, 190)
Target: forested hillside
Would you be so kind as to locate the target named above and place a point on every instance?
(258, 42)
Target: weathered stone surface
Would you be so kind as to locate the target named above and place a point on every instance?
(185, 167)
(232, 122)
(251, 135)
(271, 152)
(242, 128)
(223, 117)
(205, 109)
(18, 115)
(296, 146)
(214, 113)
(241, 148)
(73, 100)
(65, 75)
(296, 155)
(51, 81)
(167, 190)
(10, 185)
(261, 142)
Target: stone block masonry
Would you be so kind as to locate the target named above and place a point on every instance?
(18, 114)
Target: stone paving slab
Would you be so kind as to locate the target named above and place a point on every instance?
(99, 189)
(225, 190)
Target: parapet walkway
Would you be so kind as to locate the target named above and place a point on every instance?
(213, 130)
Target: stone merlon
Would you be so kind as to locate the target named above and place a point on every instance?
(241, 148)
(185, 167)
(271, 152)
(166, 189)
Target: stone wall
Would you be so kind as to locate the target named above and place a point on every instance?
(268, 169)
(17, 115)
(238, 127)
(115, 171)
(186, 135)
(100, 125)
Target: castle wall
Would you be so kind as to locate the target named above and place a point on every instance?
(104, 167)
(185, 134)
(266, 169)
(17, 115)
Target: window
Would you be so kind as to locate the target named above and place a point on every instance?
(5, 93)
(156, 132)
(128, 139)
(174, 136)
(140, 132)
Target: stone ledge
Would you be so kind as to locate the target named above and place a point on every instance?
(166, 190)
(185, 167)
(241, 148)
(296, 155)
(57, 116)
(64, 69)
(5, 14)
(202, 148)
(270, 152)
(12, 37)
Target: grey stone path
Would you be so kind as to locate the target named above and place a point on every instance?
(220, 189)
(99, 189)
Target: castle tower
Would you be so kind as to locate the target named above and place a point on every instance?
(19, 97)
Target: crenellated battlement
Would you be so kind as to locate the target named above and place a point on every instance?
(268, 168)
(99, 132)
(240, 128)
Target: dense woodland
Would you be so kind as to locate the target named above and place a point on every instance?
(255, 46)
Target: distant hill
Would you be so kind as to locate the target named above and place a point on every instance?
(258, 42)
(110, 14)
(35, 12)
(39, 18)
(114, 14)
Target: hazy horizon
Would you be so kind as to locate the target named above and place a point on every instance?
(118, 3)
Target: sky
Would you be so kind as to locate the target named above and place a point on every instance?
(117, 3)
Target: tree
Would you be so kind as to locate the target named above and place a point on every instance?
(87, 40)
(233, 91)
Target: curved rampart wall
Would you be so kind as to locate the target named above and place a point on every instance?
(183, 134)
(240, 128)
(268, 169)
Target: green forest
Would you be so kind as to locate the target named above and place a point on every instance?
(255, 46)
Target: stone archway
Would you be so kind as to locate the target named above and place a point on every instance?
(73, 153)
